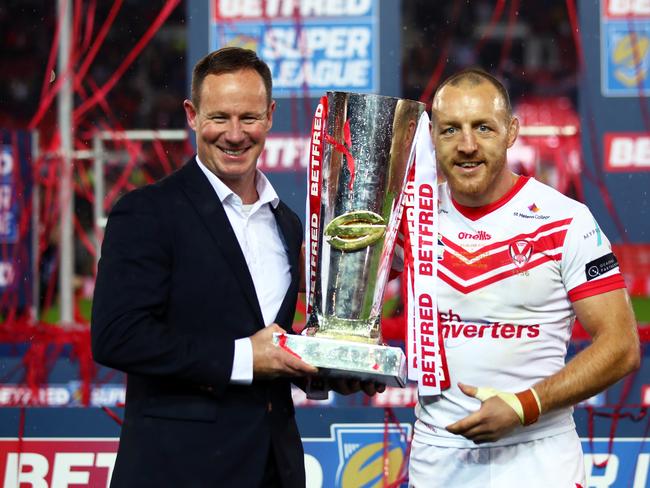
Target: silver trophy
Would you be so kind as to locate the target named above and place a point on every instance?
(367, 143)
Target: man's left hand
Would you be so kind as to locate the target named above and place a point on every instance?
(489, 423)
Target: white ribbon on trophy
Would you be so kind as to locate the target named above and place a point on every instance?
(425, 349)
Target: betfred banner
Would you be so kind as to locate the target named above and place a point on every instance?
(352, 455)
(15, 219)
(623, 462)
(625, 53)
(61, 395)
(57, 462)
(310, 46)
(284, 153)
(627, 151)
(623, 9)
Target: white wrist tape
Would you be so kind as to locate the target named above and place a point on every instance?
(526, 403)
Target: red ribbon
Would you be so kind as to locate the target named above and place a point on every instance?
(344, 149)
(402, 474)
(46, 343)
(283, 345)
(113, 415)
(314, 189)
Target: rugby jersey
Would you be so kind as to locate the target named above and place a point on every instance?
(507, 275)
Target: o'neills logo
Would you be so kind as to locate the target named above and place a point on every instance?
(520, 252)
(481, 235)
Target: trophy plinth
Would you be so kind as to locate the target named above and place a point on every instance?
(336, 358)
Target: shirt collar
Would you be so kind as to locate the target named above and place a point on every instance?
(265, 191)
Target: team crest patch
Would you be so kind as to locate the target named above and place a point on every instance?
(520, 252)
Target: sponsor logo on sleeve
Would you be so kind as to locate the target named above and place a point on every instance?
(595, 232)
(600, 266)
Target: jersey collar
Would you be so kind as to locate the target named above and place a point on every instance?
(475, 213)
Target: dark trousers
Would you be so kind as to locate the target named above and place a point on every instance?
(271, 475)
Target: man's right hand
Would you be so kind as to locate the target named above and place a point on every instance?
(270, 360)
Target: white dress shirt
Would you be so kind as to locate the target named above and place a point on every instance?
(265, 253)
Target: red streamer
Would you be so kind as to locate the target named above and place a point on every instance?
(344, 150)
(427, 94)
(598, 179)
(90, 23)
(494, 18)
(49, 67)
(113, 415)
(151, 31)
(97, 43)
(282, 342)
(402, 477)
(45, 347)
(507, 42)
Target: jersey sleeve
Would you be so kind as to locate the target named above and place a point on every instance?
(589, 267)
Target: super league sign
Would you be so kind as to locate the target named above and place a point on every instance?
(612, 97)
(8, 204)
(15, 205)
(625, 43)
(311, 46)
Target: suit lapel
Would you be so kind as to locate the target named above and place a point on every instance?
(288, 233)
(207, 204)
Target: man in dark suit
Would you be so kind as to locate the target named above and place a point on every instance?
(197, 272)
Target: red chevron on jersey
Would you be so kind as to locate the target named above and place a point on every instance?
(468, 271)
(542, 230)
(454, 282)
(489, 262)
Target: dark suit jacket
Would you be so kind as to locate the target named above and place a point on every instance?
(173, 293)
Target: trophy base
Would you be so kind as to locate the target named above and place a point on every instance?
(339, 329)
(343, 359)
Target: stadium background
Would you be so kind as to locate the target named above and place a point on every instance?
(578, 75)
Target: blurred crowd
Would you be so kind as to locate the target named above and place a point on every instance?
(146, 96)
(528, 43)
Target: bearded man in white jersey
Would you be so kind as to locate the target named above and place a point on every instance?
(520, 262)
